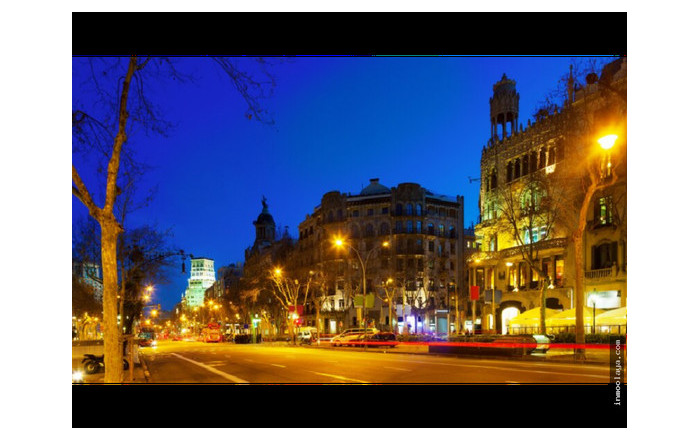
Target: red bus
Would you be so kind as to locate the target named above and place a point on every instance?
(212, 333)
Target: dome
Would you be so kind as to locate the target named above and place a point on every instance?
(265, 217)
(374, 188)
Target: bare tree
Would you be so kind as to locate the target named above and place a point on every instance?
(120, 88)
(595, 105)
(528, 210)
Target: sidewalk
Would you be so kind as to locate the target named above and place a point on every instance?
(140, 372)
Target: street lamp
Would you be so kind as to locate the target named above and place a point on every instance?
(340, 243)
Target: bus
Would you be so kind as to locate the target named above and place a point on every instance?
(212, 333)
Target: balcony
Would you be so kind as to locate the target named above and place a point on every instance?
(598, 274)
(538, 246)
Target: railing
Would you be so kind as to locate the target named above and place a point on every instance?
(599, 273)
(540, 245)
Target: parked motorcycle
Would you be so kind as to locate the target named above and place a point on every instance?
(94, 364)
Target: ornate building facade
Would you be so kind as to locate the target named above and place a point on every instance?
(410, 241)
(512, 164)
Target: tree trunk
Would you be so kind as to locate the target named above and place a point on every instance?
(579, 301)
(543, 307)
(112, 343)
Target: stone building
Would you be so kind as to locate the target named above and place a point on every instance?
(513, 160)
(421, 268)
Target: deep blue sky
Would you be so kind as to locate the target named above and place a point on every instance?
(338, 123)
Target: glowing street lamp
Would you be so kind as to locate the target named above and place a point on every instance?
(340, 243)
(607, 142)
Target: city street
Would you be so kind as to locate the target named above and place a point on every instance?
(198, 362)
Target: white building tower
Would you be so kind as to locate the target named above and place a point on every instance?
(202, 276)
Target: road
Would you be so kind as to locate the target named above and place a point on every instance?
(198, 362)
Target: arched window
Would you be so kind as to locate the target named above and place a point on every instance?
(419, 225)
(369, 230)
(398, 227)
(526, 164)
(494, 181)
(516, 169)
(431, 229)
(419, 209)
(409, 226)
(409, 209)
(552, 156)
(452, 232)
(399, 209)
(441, 230)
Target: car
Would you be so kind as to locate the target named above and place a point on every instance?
(349, 336)
(307, 335)
(381, 339)
(147, 342)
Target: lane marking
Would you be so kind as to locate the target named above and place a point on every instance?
(230, 377)
(521, 370)
(511, 382)
(338, 377)
(277, 365)
(395, 368)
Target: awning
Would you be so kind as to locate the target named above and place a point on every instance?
(612, 317)
(531, 317)
(568, 317)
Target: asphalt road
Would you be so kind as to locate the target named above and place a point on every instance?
(198, 362)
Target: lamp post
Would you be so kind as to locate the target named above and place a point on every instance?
(340, 243)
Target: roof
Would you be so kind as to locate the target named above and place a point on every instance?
(374, 188)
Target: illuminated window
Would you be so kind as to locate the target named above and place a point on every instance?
(419, 209)
(441, 229)
(604, 210)
(409, 226)
(409, 209)
(419, 227)
(559, 272)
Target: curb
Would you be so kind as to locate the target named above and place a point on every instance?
(144, 367)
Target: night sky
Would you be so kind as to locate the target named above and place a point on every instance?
(338, 123)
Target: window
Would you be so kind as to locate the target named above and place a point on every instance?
(369, 230)
(398, 227)
(340, 214)
(384, 228)
(370, 212)
(341, 303)
(419, 266)
(493, 244)
(441, 229)
(604, 255)
(509, 172)
(452, 248)
(419, 227)
(330, 216)
(356, 213)
(431, 229)
(559, 272)
(431, 246)
(603, 211)
(516, 170)
(409, 226)
(452, 232)
(419, 209)
(543, 158)
(399, 264)
(409, 209)
(399, 209)
(543, 233)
